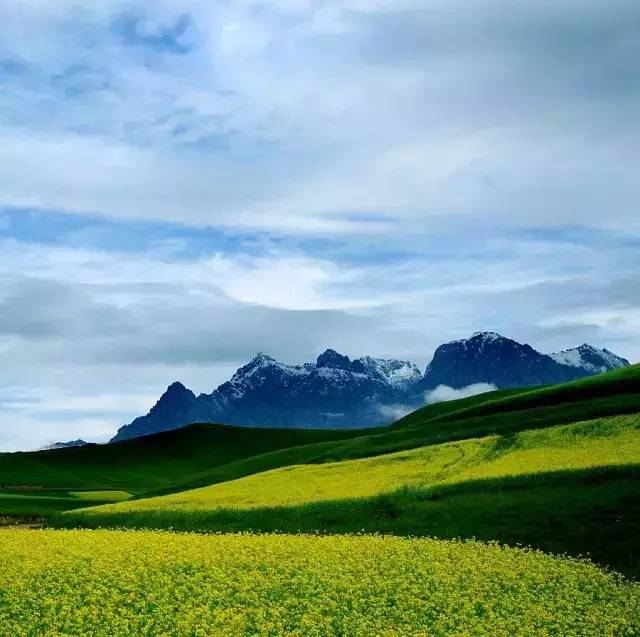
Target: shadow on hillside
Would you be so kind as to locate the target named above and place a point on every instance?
(594, 512)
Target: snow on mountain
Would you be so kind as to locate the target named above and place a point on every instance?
(332, 392)
(397, 373)
(65, 445)
(337, 392)
(589, 358)
(488, 357)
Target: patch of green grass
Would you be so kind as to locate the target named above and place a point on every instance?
(101, 496)
(152, 461)
(158, 583)
(38, 503)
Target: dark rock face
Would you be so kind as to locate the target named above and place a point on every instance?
(177, 405)
(487, 357)
(336, 392)
(330, 358)
(333, 392)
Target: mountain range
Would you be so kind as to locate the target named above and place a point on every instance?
(337, 392)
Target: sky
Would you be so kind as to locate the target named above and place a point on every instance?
(184, 183)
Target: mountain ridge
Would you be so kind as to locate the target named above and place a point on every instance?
(337, 392)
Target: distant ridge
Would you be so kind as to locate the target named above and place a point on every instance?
(65, 445)
(337, 392)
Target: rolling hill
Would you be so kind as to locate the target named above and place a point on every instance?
(568, 488)
(205, 454)
(149, 462)
(556, 468)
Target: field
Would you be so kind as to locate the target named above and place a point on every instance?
(516, 482)
(159, 583)
(416, 528)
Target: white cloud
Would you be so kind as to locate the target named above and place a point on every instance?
(443, 393)
(291, 117)
(391, 413)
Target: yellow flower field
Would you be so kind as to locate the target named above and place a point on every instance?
(595, 443)
(159, 583)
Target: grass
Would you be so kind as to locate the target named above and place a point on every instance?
(39, 503)
(149, 462)
(570, 488)
(119, 582)
(101, 496)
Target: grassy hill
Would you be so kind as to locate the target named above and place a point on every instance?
(568, 488)
(144, 463)
(501, 412)
(206, 454)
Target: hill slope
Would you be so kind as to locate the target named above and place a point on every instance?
(149, 462)
(203, 454)
(570, 488)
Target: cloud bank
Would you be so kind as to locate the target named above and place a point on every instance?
(443, 393)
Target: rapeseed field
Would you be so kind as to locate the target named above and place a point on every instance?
(596, 443)
(107, 583)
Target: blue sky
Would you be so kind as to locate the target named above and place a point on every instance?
(186, 182)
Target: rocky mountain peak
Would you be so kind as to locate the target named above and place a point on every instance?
(261, 358)
(336, 392)
(589, 358)
(177, 390)
(334, 360)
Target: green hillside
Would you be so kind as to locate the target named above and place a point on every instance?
(201, 455)
(501, 412)
(569, 488)
(152, 461)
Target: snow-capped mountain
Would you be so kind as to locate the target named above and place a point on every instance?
(487, 357)
(65, 445)
(332, 392)
(338, 392)
(589, 358)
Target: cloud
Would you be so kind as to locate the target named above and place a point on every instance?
(444, 393)
(291, 117)
(391, 413)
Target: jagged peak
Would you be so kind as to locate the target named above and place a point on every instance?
(481, 337)
(487, 336)
(585, 347)
(260, 357)
(177, 388)
(333, 359)
(589, 357)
